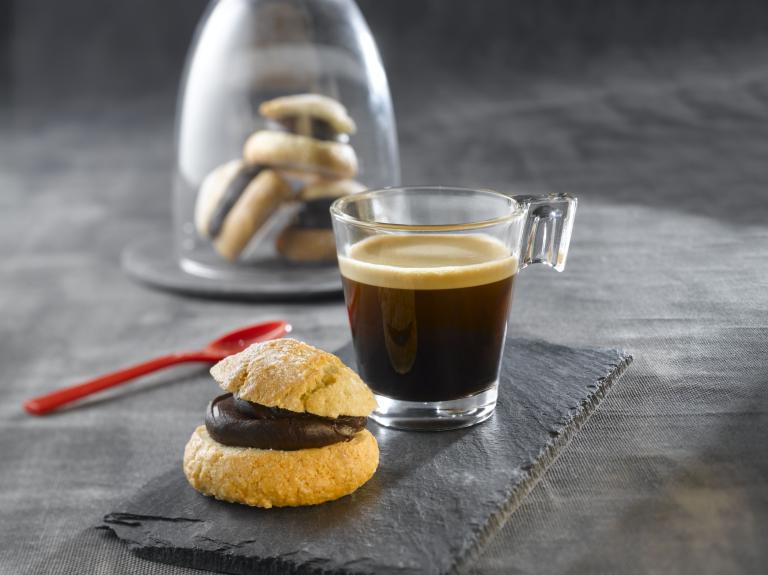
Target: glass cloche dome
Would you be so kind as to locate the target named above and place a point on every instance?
(283, 107)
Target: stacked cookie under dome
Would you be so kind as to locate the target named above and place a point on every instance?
(303, 156)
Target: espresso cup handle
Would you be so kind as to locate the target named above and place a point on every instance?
(547, 231)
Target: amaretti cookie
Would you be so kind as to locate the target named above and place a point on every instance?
(289, 431)
(303, 157)
(234, 202)
(309, 236)
(307, 138)
(306, 142)
(310, 114)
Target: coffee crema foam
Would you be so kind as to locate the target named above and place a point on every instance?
(428, 262)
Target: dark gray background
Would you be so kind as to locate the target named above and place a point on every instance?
(81, 49)
(654, 113)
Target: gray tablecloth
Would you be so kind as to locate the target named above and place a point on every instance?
(670, 160)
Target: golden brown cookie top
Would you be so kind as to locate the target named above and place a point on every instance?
(293, 154)
(313, 105)
(293, 375)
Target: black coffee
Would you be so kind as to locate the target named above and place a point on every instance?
(428, 313)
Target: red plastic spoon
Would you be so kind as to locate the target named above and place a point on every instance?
(217, 350)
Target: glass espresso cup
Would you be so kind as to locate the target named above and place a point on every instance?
(428, 274)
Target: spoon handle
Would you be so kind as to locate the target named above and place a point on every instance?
(45, 403)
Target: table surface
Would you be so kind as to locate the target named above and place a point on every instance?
(668, 261)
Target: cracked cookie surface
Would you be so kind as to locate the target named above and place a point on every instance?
(293, 375)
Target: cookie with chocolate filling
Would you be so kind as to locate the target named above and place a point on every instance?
(303, 157)
(307, 138)
(309, 237)
(304, 108)
(233, 203)
(289, 431)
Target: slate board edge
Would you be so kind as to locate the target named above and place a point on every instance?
(542, 463)
(193, 558)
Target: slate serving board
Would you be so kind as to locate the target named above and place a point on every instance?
(434, 502)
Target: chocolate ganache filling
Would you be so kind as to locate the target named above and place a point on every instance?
(233, 421)
(232, 193)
